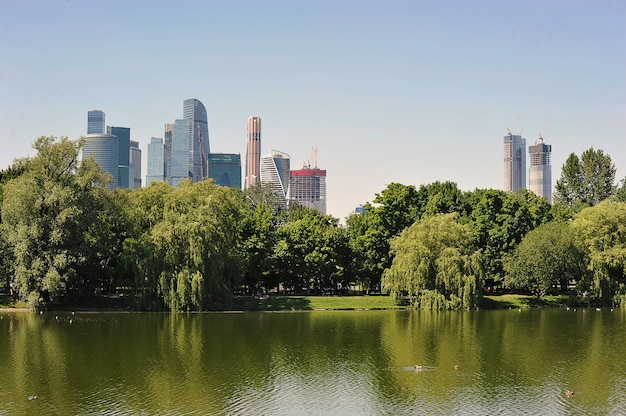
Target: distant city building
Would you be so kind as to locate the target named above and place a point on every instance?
(225, 169)
(307, 186)
(156, 161)
(180, 166)
(253, 152)
(360, 210)
(514, 163)
(275, 172)
(95, 122)
(123, 136)
(196, 116)
(135, 165)
(167, 151)
(105, 151)
(540, 172)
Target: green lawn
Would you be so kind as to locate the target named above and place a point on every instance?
(523, 301)
(286, 303)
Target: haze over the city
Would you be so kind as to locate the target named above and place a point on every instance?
(401, 91)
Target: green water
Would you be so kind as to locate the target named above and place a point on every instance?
(314, 363)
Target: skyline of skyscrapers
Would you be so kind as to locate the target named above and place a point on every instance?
(253, 152)
(514, 163)
(540, 172)
(275, 169)
(195, 114)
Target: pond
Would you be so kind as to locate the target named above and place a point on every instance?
(314, 363)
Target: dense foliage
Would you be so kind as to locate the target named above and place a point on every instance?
(64, 236)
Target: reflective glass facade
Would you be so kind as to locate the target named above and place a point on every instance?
(105, 150)
(123, 136)
(179, 167)
(156, 161)
(95, 122)
(195, 114)
(225, 169)
(514, 163)
(275, 171)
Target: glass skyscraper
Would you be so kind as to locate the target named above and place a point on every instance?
(156, 161)
(225, 169)
(179, 166)
(514, 163)
(95, 122)
(195, 114)
(135, 165)
(540, 172)
(275, 168)
(105, 151)
(123, 135)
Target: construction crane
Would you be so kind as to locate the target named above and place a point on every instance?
(514, 126)
(312, 162)
(545, 129)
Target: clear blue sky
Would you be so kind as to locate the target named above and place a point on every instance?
(388, 91)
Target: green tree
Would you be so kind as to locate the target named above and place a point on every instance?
(312, 252)
(620, 194)
(499, 221)
(435, 265)
(601, 231)
(545, 261)
(48, 213)
(140, 262)
(199, 244)
(585, 181)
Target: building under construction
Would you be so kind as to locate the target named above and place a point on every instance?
(308, 185)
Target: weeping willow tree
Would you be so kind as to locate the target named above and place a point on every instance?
(197, 245)
(435, 266)
(601, 231)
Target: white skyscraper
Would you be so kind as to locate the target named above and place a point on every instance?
(540, 172)
(275, 171)
(514, 163)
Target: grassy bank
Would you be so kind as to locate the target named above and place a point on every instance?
(312, 303)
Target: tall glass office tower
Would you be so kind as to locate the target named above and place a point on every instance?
(225, 169)
(95, 122)
(105, 151)
(123, 136)
(179, 167)
(135, 166)
(195, 114)
(275, 168)
(156, 161)
(540, 172)
(253, 152)
(514, 163)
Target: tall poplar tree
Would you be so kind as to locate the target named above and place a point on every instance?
(587, 180)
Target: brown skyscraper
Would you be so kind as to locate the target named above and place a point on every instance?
(253, 152)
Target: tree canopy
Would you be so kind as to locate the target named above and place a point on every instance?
(587, 180)
(435, 265)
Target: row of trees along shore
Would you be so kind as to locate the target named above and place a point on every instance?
(64, 237)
